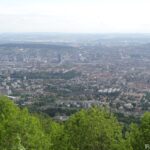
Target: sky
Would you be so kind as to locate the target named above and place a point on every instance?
(75, 16)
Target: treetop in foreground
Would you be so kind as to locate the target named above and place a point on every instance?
(90, 129)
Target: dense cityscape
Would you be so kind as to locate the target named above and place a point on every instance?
(63, 73)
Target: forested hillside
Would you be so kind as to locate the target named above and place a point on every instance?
(90, 129)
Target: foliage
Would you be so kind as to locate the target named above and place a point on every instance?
(140, 136)
(94, 129)
(90, 129)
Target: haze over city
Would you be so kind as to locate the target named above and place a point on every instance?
(80, 16)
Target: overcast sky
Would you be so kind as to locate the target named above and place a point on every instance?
(86, 16)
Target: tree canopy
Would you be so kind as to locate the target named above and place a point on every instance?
(91, 129)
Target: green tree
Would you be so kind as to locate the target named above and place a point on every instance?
(94, 129)
(134, 137)
(140, 136)
(90, 129)
(19, 124)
